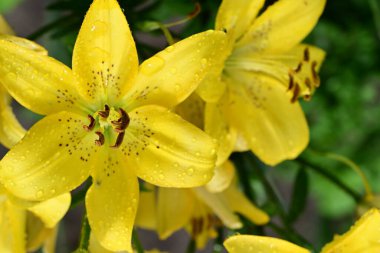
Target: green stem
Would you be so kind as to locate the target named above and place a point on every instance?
(357, 197)
(84, 235)
(136, 242)
(191, 246)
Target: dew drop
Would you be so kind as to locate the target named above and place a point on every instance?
(39, 194)
(170, 49)
(152, 65)
(204, 62)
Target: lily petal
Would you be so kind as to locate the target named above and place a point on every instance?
(253, 244)
(95, 246)
(105, 55)
(222, 178)
(171, 75)
(52, 211)
(147, 211)
(112, 201)
(36, 232)
(12, 227)
(4, 26)
(166, 150)
(174, 210)
(217, 127)
(220, 207)
(239, 203)
(362, 237)
(11, 131)
(38, 82)
(53, 158)
(235, 16)
(282, 26)
(260, 108)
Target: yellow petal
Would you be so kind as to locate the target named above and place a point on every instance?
(282, 26)
(218, 128)
(112, 200)
(192, 110)
(12, 227)
(220, 207)
(52, 211)
(170, 76)
(166, 150)
(212, 87)
(38, 82)
(11, 131)
(36, 232)
(222, 178)
(236, 16)
(105, 54)
(174, 210)
(4, 27)
(25, 43)
(260, 109)
(53, 158)
(362, 237)
(147, 211)
(95, 247)
(263, 244)
(239, 203)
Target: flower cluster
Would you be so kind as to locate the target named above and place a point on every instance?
(168, 125)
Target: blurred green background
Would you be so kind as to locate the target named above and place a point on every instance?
(343, 114)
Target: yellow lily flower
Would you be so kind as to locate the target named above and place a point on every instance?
(362, 237)
(24, 228)
(108, 119)
(198, 210)
(266, 69)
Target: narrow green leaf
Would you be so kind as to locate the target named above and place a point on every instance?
(299, 195)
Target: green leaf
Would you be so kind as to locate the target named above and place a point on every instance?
(6, 5)
(299, 195)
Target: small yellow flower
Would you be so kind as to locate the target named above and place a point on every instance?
(108, 119)
(362, 237)
(199, 210)
(266, 69)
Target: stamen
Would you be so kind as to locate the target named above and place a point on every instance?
(299, 68)
(119, 140)
(104, 114)
(100, 141)
(291, 81)
(122, 123)
(314, 73)
(296, 93)
(91, 125)
(306, 55)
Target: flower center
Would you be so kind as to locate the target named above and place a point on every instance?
(109, 118)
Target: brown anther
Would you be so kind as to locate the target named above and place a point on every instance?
(308, 83)
(122, 123)
(100, 141)
(119, 140)
(291, 81)
(296, 93)
(299, 67)
(210, 221)
(91, 125)
(307, 97)
(306, 55)
(104, 114)
(314, 73)
(194, 227)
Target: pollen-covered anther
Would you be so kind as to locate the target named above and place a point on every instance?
(91, 126)
(306, 54)
(104, 114)
(296, 93)
(100, 141)
(119, 140)
(122, 123)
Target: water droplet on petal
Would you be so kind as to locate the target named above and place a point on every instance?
(152, 65)
(204, 62)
